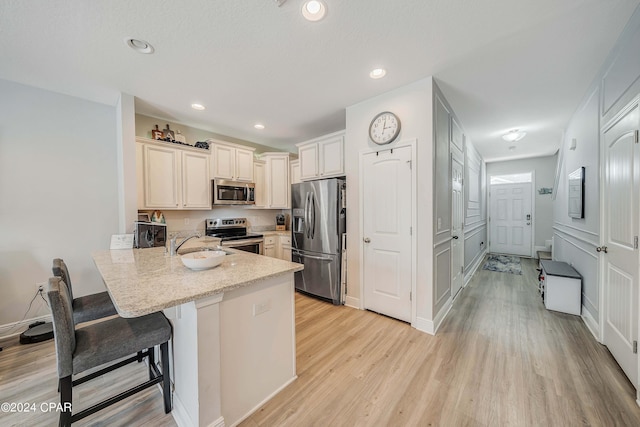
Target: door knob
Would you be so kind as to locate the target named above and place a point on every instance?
(455, 237)
(528, 223)
(367, 240)
(602, 249)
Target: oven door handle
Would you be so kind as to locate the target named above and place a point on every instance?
(232, 243)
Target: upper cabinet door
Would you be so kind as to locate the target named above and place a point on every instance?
(244, 165)
(322, 157)
(259, 176)
(331, 157)
(295, 171)
(223, 162)
(279, 186)
(308, 156)
(161, 177)
(196, 183)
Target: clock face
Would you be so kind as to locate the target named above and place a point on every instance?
(384, 128)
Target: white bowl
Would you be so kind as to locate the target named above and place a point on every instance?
(203, 260)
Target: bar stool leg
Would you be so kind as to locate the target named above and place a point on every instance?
(66, 394)
(166, 377)
(152, 361)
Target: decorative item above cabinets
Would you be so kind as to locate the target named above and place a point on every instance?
(231, 161)
(322, 157)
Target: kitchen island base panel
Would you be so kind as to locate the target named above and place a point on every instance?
(232, 352)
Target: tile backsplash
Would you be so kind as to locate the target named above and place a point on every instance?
(191, 221)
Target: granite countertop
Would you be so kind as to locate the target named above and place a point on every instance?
(143, 281)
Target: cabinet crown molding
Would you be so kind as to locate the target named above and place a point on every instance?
(321, 138)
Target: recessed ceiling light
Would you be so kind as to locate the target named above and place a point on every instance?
(140, 46)
(259, 126)
(198, 107)
(378, 73)
(314, 10)
(514, 135)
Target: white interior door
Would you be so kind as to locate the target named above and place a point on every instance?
(510, 219)
(620, 274)
(457, 236)
(387, 232)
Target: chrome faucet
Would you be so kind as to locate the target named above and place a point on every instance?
(173, 246)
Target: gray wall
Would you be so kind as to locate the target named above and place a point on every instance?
(544, 172)
(575, 240)
(475, 209)
(58, 192)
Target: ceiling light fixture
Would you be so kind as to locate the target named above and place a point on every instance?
(378, 73)
(514, 135)
(139, 46)
(314, 10)
(198, 107)
(259, 126)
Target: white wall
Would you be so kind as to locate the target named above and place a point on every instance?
(58, 193)
(544, 173)
(413, 105)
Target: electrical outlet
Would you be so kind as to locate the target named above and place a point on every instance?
(262, 307)
(187, 221)
(40, 287)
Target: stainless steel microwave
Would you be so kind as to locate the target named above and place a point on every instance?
(233, 192)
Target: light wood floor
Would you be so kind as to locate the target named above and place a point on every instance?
(499, 359)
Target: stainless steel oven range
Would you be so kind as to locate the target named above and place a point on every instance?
(233, 234)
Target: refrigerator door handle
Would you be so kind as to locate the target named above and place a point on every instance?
(306, 216)
(313, 215)
(320, 258)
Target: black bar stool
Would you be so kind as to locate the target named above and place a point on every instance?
(88, 307)
(78, 350)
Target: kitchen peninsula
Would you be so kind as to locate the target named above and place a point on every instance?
(233, 326)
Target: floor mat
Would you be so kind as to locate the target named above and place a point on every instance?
(503, 264)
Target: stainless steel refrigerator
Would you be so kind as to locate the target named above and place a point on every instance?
(318, 224)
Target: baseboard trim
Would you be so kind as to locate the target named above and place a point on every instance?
(591, 323)
(424, 325)
(442, 314)
(352, 302)
(474, 267)
(268, 398)
(180, 414)
(20, 327)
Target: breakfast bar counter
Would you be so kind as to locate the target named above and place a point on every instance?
(233, 344)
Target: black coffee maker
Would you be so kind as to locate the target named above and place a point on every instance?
(149, 234)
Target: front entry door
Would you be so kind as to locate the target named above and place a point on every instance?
(386, 242)
(510, 219)
(457, 237)
(620, 274)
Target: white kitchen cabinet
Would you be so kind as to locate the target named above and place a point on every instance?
(196, 182)
(284, 247)
(295, 171)
(231, 161)
(172, 178)
(270, 248)
(161, 177)
(322, 157)
(259, 179)
(278, 187)
(308, 158)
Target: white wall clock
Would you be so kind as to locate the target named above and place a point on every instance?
(384, 128)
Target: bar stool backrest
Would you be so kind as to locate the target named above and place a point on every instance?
(63, 326)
